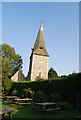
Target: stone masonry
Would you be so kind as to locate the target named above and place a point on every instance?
(39, 58)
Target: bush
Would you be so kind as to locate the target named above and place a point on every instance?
(7, 85)
(65, 105)
(28, 92)
(21, 94)
(39, 97)
(68, 87)
(39, 78)
(15, 92)
(55, 97)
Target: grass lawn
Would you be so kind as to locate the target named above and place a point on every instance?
(26, 111)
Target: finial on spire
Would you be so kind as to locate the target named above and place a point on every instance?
(41, 27)
(41, 22)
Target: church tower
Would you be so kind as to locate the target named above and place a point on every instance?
(38, 67)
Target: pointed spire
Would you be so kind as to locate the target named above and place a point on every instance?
(39, 46)
(41, 27)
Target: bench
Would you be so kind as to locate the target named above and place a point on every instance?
(4, 111)
(52, 109)
(2, 114)
(12, 102)
(46, 106)
(22, 103)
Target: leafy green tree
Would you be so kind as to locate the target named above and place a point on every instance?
(52, 74)
(0, 69)
(11, 62)
(7, 85)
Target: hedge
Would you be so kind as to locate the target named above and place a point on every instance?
(68, 87)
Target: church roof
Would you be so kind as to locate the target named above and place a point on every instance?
(39, 46)
(18, 76)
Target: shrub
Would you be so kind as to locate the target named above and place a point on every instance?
(68, 87)
(23, 93)
(55, 97)
(65, 105)
(7, 85)
(15, 92)
(28, 92)
(19, 93)
(39, 78)
(39, 96)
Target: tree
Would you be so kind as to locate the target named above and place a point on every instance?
(52, 73)
(11, 62)
(7, 85)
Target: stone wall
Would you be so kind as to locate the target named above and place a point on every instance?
(39, 67)
(18, 76)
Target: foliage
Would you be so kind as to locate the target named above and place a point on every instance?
(52, 74)
(68, 87)
(55, 97)
(0, 68)
(39, 96)
(11, 61)
(65, 105)
(39, 78)
(7, 85)
(28, 92)
(15, 92)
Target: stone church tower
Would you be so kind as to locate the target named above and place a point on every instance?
(39, 58)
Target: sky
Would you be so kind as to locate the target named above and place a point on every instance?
(0, 22)
(41, 0)
(80, 37)
(20, 25)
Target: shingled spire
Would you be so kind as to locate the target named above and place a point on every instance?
(38, 67)
(39, 46)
